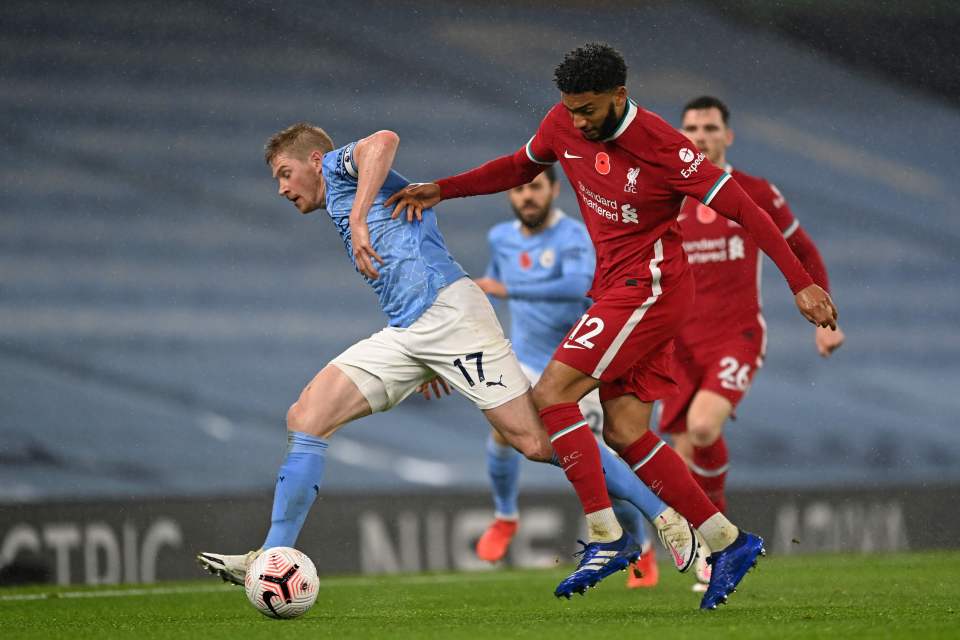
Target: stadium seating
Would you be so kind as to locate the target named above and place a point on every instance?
(161, 307)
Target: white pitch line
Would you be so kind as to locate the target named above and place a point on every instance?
(113, 593)
(332, 582)
(478, 576)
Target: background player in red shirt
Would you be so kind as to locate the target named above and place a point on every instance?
(631, 172)
(722, 344)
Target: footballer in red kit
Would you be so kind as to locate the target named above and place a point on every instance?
(642, 287)
(631, 171)
(725, 336)
(722, 344)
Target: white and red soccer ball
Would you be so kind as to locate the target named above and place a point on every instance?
(282, 583)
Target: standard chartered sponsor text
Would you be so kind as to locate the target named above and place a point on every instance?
(594, 201)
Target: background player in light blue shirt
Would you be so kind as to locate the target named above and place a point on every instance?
(542, 263)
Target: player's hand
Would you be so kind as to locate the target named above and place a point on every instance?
(437, 384)
(492, 287)
(415, 198)
(816, 306)
(363, 252)
(828, 340)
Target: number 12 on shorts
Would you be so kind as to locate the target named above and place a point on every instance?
(478, 356)
(593, 327)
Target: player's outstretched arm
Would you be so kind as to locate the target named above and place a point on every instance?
(500, 174)
(373, 156)
(813, 302)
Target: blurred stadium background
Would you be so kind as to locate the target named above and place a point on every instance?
(160, 307)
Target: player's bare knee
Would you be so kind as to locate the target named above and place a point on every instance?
(536, 450)
(615, 438)
(533, 445)
(301, 418)
(295, 417)
(703, 433)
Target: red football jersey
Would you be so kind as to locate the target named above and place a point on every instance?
(726, 262)
(630, 188)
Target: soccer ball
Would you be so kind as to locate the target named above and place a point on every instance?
(282, 583)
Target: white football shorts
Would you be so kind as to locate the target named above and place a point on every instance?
(458, 338)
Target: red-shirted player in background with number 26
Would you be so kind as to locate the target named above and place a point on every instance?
(631, 172)
(722, 344)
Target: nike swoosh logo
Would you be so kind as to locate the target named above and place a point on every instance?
(567, 345)
(681, 217)
(677, 560)
(267, 597)
(570, 156)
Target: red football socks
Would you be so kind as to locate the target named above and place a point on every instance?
(665, 472)
(709, 469)
(577, 452)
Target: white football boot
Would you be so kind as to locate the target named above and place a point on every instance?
(230, 568)
(678, 537)
(701, 568)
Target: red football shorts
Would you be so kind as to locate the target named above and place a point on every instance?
(724, 367)
(626, 339)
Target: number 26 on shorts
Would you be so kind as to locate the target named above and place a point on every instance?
(733, 376)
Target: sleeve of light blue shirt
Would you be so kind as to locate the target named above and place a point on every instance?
(493, 269)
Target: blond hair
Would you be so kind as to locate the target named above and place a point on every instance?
(297, 141)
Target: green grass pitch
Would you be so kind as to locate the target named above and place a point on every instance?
(836, 597)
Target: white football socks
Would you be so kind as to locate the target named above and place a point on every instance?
(718, 532)
(602, 526)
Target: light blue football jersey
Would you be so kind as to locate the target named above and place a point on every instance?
(416, 263)
(547, 276)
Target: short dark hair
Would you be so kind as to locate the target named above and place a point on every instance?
(708, 102)
(551, 173)
(595, 67)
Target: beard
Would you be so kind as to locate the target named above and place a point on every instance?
(530, 220)
(607, 127)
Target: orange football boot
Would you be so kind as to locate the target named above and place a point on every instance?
(495, 541)
(644, 572)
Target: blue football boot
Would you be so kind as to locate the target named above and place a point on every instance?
(597, 561)
(728, 566)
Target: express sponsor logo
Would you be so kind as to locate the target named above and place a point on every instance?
(694, 166)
